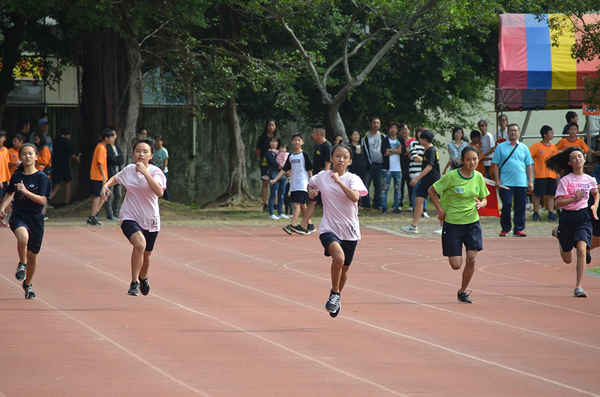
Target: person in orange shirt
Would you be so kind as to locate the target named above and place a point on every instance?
(572, 139)
(476, 141)
(4, 171)
(13, 153)
(44, 159)
(545, 179)
(99, 173)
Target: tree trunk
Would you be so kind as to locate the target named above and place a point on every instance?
(237, 192)
(333, 110)
(131, 101)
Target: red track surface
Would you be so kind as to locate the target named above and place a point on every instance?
(238, 311)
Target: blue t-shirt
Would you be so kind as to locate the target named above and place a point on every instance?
(514, 171)
(37, 183)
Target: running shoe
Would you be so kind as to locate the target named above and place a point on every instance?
(439, 230)
(3, 224)
(503, 234)
(298, 229)
(20, 274)
(274, 217)
(410, 229)
(288, 229)
(29, 294)
(425, 215)
(588, 258)
(133, 288)
(464, 296)
(579, 293)
(94, 221)
(397, 211)
(283, 216)
(333, 303)
(335, 314)
(410, 209)
(144, 286)
(384, 211)
(552, 217)
(265, 207)
(310, 228)
(536, 217)
(520, 233)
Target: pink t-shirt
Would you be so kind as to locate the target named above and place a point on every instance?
(340, 214)
(571, 184)
(141, 203)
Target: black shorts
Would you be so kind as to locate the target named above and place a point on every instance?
(454, 236)
(34, 223)
(60, 174)
(97, 188)
(264, 170)
(347, 246)
(595, 224)
(423, 188)
(544, 187)
(317, 199)
(299, 197)
(574, 226)
(130, 227)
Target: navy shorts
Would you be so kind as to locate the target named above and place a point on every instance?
(422, 189)
(96, 188)
(59, 175)
(574, 226)
(264, 170)
(544, 187)
(454, 236)
(299, 197)
(317, 199)
(130, 227)
(347, 246)
(34, 223)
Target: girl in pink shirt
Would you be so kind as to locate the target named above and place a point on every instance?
(572, 194)
(139, 215)
(339, 230)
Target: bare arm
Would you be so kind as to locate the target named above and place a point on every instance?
(425, 171)
(353, 195)
(7, 200)
(154, 185)
(530, 178)
(433, 196)
(105, 192)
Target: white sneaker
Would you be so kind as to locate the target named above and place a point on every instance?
(425, 215)
(411, 229)
(439, 230)
(410, 209)
(274, 217)
(283, 216)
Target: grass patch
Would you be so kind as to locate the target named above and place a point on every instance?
(593, 271)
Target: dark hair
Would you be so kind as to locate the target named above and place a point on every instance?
(41, 137)
(2, 132)
(320, 126)
(149, 141)
(559, 162)
(273, 138)
(427, 135)
(22, 123)
(342, 146)
(282, 145)
(503, 116)
(139, 130)
(393, 123)
(455, 163)
(267, 126)
(571, 124)
(571, 115)
(482, 121)
(338, 136)
(21, 166)
(65, 131)
(512, 125)
(469, 148)
(456, 129)
(297, 134)
(373, 119)
(157, 137)
(19, 136)
(106, 133)
(475, 134)
(544, 131)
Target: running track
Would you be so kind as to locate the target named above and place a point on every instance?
(238, 311)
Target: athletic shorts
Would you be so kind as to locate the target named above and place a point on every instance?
(454, 236)
(574, 226)
(299, 197)
(544, 187)
(96, 188)
(317, 199)
(347, 246)
(264, 170)
(34, 223)
(130, 227)
(59, 175)
(422, 189)
(595, 224)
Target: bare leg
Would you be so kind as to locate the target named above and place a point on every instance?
(67, 192)
(296, 214)
(337, 265)
(31, 266)
(96, 205)
(137, 255)
(54, 191)
(145, 265)
(469, 269)
(265, 192)
(308, 213)
(536, 203)
(418, 210)
(22, 236)
(581, 245)
(550, 203)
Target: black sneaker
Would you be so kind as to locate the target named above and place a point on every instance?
(144, 286)
(333, 303)
(464, 296)
(133, 288)
(298, 229)
(310, 228)
(588, 258)
(94, 221)
(20, 274)
(397, 211)
(335, 314)
(288, 229)
(265, 207)
(29, 294)
(384, 211)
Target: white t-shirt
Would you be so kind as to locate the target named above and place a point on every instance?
(394, 158)
(501, 135)
(340, 214)
(299, 164)
(141, 203)
(487, 143)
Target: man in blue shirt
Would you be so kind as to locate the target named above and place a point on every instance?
(513, 172)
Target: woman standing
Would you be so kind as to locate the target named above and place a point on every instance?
(456, 146)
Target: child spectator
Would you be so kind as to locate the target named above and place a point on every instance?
(572, 193)
(462, 192)
(416, 151)
(572, 139)
(282, 153)
(301, 170)
(571, 117)
(161, 160)
(30, 189)
(544, 183)
(61, 167)
(140, 214)
(487, 146)
(430, 173)
(44, 158)
(114, 160)
(278, 188)
(98, 173)
(13, 152)
(4, 160)
(476, 143)
(339, 230)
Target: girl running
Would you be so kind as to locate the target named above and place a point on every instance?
(572, 193)
(139, 215)
(463, 192)
(339, 231)
(30, 189)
